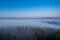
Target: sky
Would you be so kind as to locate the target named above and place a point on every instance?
(29, 8)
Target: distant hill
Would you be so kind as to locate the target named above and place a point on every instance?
(31, 18)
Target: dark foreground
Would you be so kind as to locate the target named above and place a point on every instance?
(29, 33)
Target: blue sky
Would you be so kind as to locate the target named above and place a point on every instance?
(29, 8)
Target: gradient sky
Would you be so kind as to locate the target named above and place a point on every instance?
(29, 8)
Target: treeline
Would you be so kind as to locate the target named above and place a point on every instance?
(29, 33)
(48, 34)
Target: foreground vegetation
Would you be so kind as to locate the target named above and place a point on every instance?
(29, 33)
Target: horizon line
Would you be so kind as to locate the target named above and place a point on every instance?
(27, 17)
